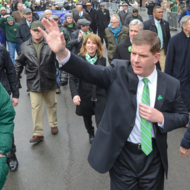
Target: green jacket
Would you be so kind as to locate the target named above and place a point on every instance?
(174, 8)
(11, 31)
(110, 40)
(7, 114)
(66, 35)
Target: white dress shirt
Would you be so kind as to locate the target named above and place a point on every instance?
(135, 135)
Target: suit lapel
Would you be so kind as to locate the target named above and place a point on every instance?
(161, 91)
(133, 83)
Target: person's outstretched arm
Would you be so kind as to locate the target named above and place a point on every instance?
(73, 64)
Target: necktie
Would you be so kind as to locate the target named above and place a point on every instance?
(160, 34)
(29, 23)
(80, 14)
(146, 135)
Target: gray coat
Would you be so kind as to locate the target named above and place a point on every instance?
(129, 18)
(122, 14)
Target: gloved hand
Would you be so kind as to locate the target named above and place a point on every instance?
(4, 169)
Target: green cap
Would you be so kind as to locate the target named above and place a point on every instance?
(37, 24)
(9, 18)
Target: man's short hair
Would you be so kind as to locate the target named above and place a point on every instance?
(135, 10)
(137, 22)
(47, 11)
(116, 16)
(184, 20)
(147, 37)
(156, 7)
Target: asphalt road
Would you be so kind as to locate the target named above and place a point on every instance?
(60, 161)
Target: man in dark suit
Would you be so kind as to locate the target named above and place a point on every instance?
(81, 14)
(161, 28)
(103, 20)
(23, 33)
(92, 13)
(123, 14)
(143, 104)
(79, 35)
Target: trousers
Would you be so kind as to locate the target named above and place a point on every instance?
(162, 59)
(37, 105)
(12, 47)
(133, 170)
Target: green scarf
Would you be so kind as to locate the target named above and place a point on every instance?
(134, 16)
(70, 25)
(91, 60)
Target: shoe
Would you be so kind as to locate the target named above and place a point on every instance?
(58, 91)
(12, 163)
(36, 139)
(91, 138)
(63, 83)
(54, 130)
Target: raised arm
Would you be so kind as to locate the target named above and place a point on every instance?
(98, 75)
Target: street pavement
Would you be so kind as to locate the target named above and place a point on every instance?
(60, 161)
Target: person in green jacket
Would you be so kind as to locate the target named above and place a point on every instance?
(7, 114)
(10, 27)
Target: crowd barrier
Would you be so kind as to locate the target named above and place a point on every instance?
(171, 17)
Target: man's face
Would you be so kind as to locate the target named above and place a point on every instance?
(48, 14)
(114, 23)
(36, 35)
(56, 20)
(20, 7)
(142, 60)
(135, 14)
(158, 14)
(85, 28)
(88, 7)
(186, 28)
(3, 12)
(53, 8)
(79, 8)
(10, 22)
(102, 7)
(125, 7)
(28, 16)
(133, 30)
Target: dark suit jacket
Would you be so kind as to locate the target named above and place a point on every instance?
(103, 21)
(150, 25)
(119, 116)
(85, 15)
(75, 45)
(93, 16)
(122, 51)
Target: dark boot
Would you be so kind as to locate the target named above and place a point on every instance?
(12, 163)
(91, 138)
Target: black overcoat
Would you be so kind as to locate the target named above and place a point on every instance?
(93, 16)
(103, 21)
(84, 90)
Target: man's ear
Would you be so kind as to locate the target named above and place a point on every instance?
(156, 57)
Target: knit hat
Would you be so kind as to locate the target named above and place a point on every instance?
(9, 18)
(68, 15)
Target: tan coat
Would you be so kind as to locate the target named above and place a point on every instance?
(17, 17)
(110, 40)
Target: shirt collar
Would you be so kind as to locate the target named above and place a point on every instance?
(156, 21)
(81, 31)
(151, 78)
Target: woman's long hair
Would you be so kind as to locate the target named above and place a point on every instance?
(96, 39)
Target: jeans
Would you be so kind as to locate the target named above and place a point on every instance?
(150, 16)
(12, 47)
(58, 77)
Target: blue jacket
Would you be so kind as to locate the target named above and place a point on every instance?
(3, 37)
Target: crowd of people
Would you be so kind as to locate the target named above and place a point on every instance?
(136, 100)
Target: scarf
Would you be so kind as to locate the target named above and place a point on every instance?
(116, 32)
(91, 60)
(70, 25)
(134, 16)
